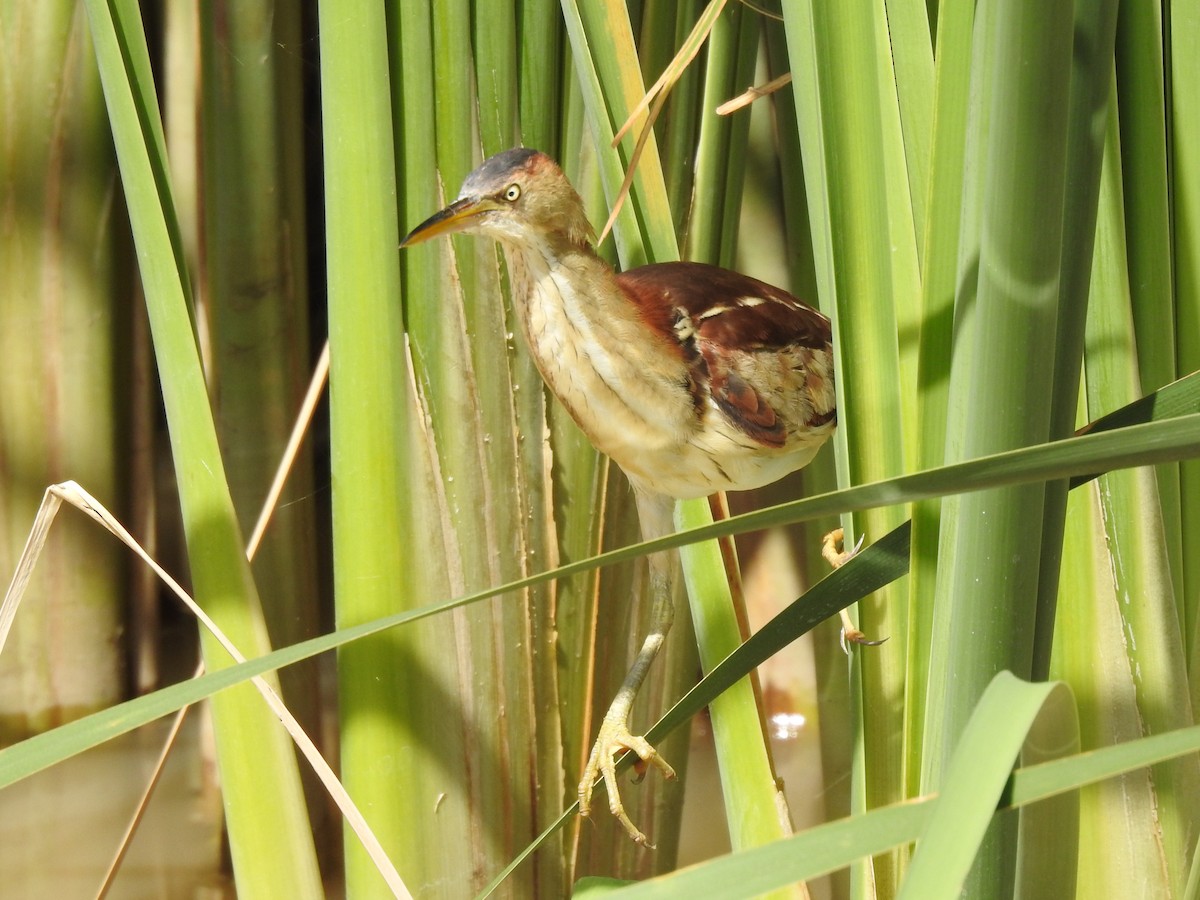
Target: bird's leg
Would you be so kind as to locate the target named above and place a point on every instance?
(836, 559)
(655, 513)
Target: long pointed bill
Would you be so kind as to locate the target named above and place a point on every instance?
(458, 216)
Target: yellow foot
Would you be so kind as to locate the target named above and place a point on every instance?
(851, 635)
(830, 548)
(613, 740)
(836, 557)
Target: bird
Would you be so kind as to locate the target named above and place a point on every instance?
(692, 378)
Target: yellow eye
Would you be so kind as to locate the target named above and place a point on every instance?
(512, 193)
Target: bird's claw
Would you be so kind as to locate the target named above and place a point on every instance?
(851, 635)
(838, 558)
(614, 739)
(830, 548)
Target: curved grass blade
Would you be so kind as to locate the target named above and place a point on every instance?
(1136, 445)
(829, 847)
(975, 778)
(1179, 398)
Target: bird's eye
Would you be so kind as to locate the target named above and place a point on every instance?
(512, 193)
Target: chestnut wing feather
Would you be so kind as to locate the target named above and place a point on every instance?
(710, 315)
(709, 295)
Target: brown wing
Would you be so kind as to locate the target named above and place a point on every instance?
(728, 309)
(714, 317)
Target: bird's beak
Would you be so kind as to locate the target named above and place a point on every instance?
(458, 215)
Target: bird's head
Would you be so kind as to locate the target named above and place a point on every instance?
(519, 197)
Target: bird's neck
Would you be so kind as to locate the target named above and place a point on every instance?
(566, 286)
(592, 346)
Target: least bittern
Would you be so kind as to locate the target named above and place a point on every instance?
(692, 378)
